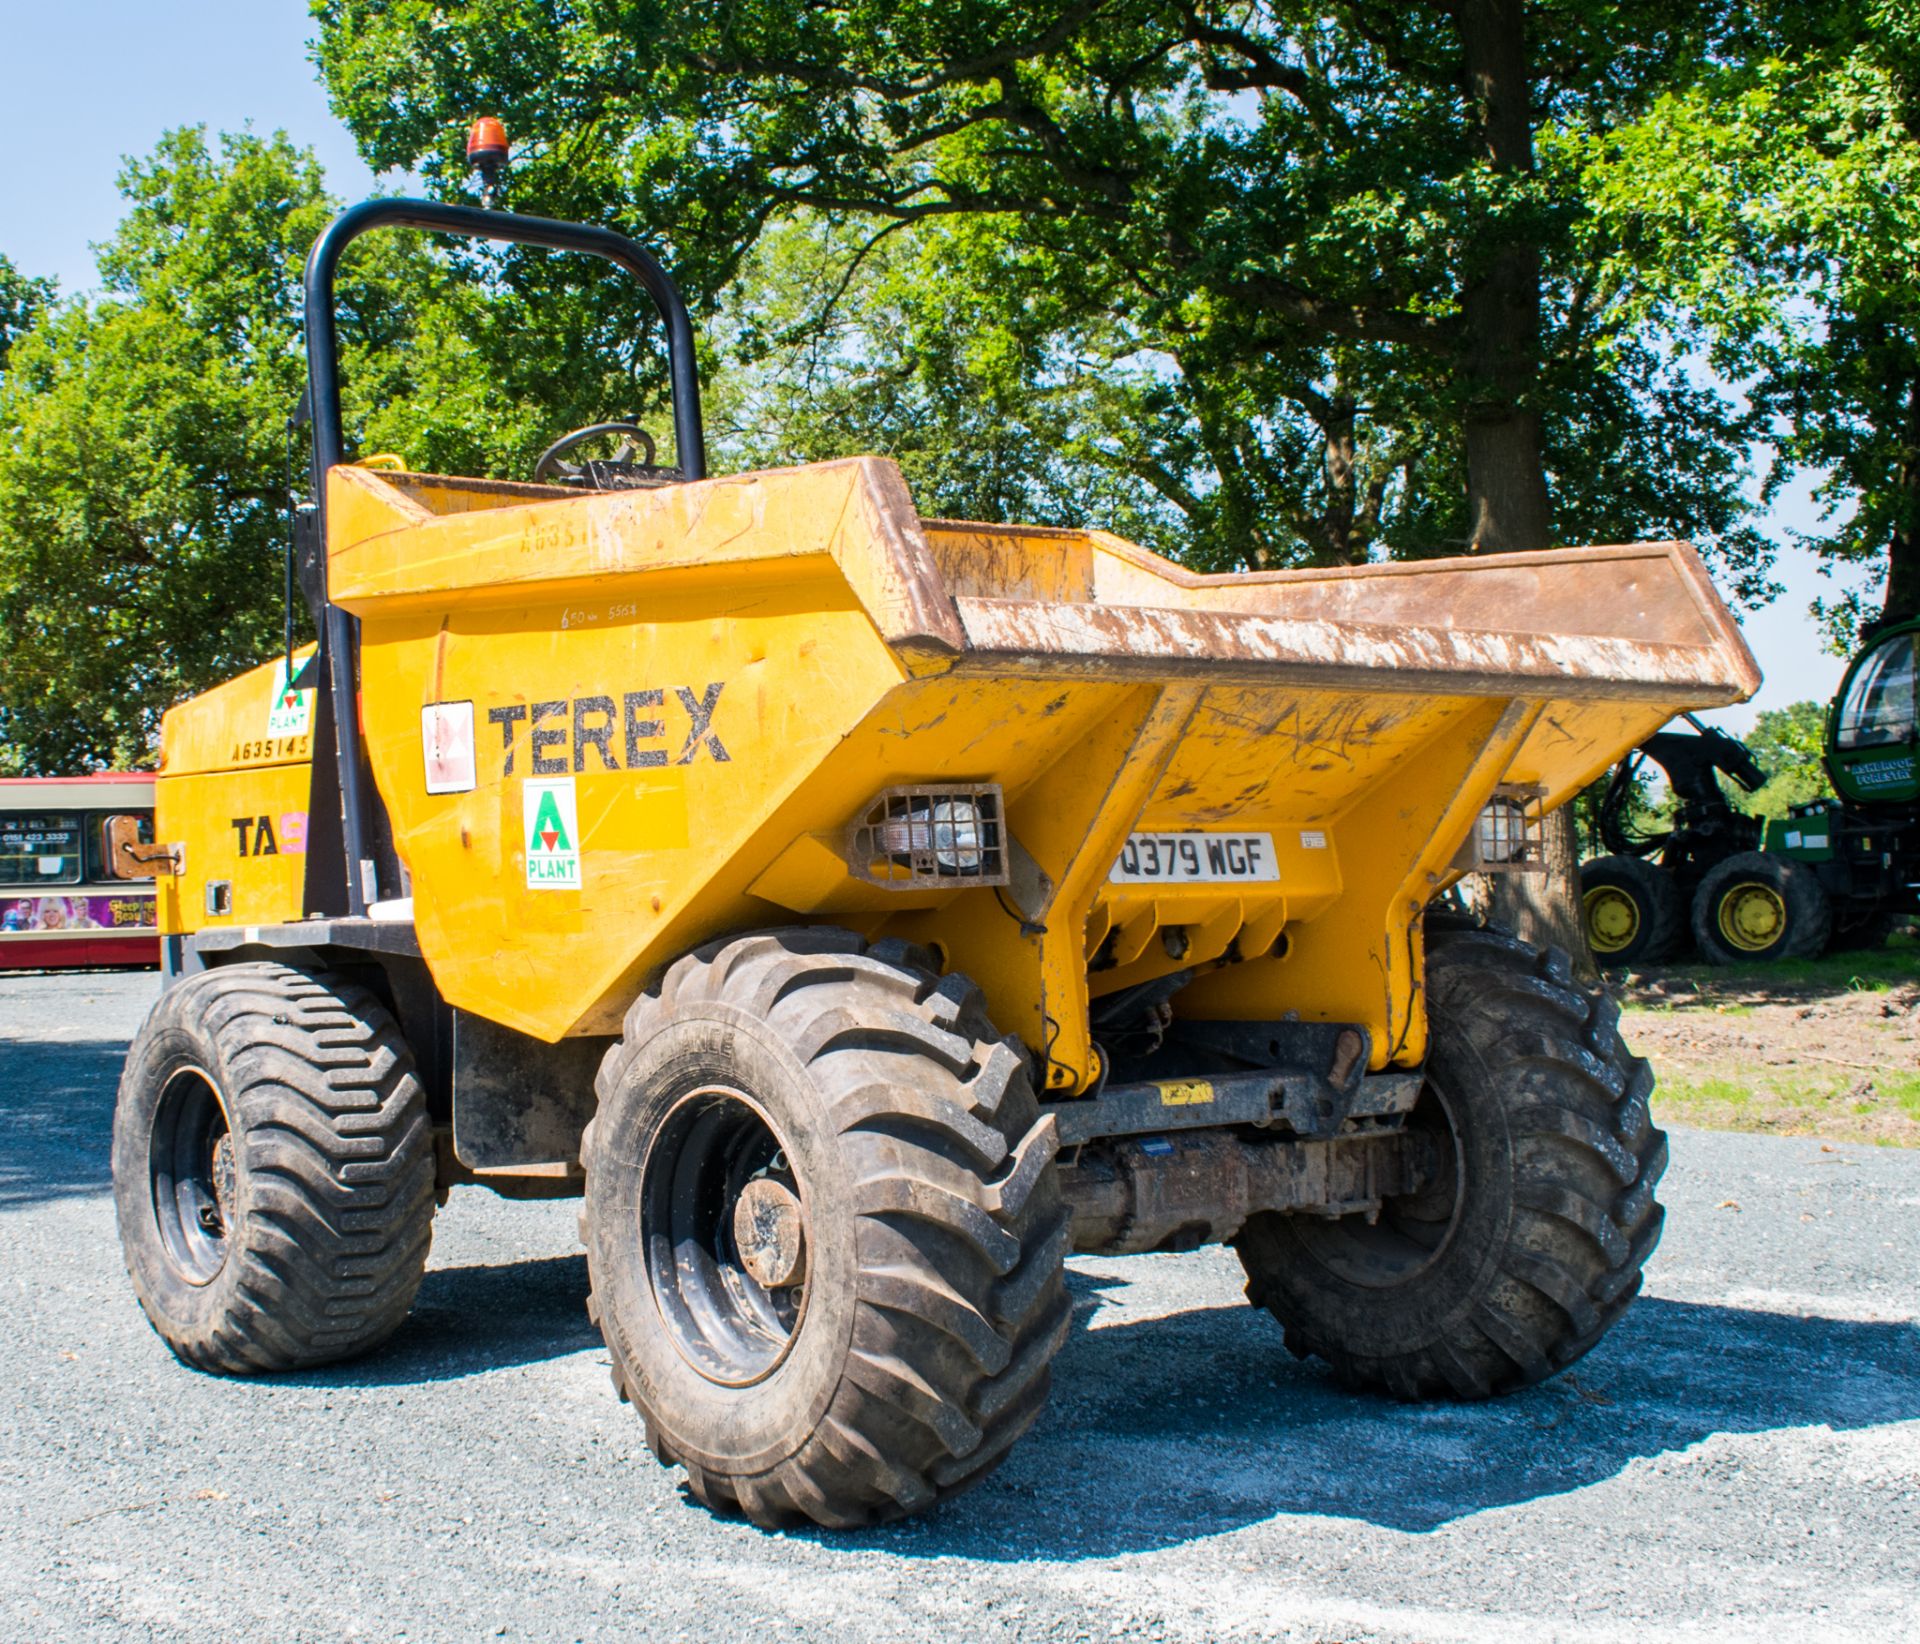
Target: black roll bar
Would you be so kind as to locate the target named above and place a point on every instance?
(340, 635)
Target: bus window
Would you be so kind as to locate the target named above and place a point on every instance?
(39, 850)
(1879, 710)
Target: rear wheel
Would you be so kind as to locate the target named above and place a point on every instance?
(824, 1234)
(1529, 1242)
(1755, 906)
(1633, 911)
(272, 1169)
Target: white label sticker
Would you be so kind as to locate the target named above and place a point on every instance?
(289, 713)
(1793, 841)
(1196, 859)
(1311, 839)
(552, 835)
(446, 746)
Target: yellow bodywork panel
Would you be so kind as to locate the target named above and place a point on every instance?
(233, 787)
(607, 727)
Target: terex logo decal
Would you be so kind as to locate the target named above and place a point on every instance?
(552, 835)
(627, 735)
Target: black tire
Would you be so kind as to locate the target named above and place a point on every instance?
(918, 1345)
(1632, 910)
(272, 1170)
(1755, 907)
(1530, 1244)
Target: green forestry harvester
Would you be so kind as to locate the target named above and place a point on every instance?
(1836, 871)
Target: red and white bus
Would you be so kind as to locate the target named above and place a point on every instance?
(72, 893)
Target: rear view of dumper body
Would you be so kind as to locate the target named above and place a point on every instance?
(863, 911)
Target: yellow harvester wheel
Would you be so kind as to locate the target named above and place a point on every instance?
(1613, 919)
(1758, 906)
(1752, 917)
(1632, 909)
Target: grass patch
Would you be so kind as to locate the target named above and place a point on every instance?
(1878, 1107)
(1827, 1047)
(1871, 970)
(1902, 1089)
(1701, 1093)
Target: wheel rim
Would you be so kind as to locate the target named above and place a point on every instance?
(192, 1173)
(1752, 916)
(1412, 1231)
(723, 1222)
(1613, 919)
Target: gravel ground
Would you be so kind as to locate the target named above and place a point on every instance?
(1741, 1458)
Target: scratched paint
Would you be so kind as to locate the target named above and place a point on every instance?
(730, 670)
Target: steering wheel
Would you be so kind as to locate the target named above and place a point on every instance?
(631, 467)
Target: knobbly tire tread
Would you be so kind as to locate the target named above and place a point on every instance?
(961, 1302)
(1809, 910)
(1664, 929)
(1579, 1216)
(334, 1169)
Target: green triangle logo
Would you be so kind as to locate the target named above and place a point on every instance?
(549, 832)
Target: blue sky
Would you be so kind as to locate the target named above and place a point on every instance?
(87, 86)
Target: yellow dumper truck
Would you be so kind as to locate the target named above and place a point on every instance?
(863, 912)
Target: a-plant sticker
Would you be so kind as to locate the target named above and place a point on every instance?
(291, 712)
(552, 835)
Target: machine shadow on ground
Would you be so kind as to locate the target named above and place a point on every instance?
(56, 1118)
(1191, 1424)
(1162, 1429)
(1199, 1422)
(468, 1320)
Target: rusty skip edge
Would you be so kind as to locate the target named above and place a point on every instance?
(1158, 642)
(899, 579)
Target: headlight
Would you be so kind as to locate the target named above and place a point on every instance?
(1502, 831)
(949, 828)
(1509, 834)
(930, 835)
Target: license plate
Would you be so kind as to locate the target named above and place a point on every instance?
(1196, 859)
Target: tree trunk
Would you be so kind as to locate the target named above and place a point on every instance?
(1507, 495)
(1500, 302)
(1902, 603)
(1338, 450)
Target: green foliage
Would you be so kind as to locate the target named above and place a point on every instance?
(1772, 208)
(139, 506)
(22, 300)
(1788, 744)
(1205, 276)
(144, 449)
(1204, 270)
(830, 348)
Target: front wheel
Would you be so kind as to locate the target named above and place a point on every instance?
(272, 1169)
(1528, 1243)
(1634, 913)
(1755, 906)
(825, 1239)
